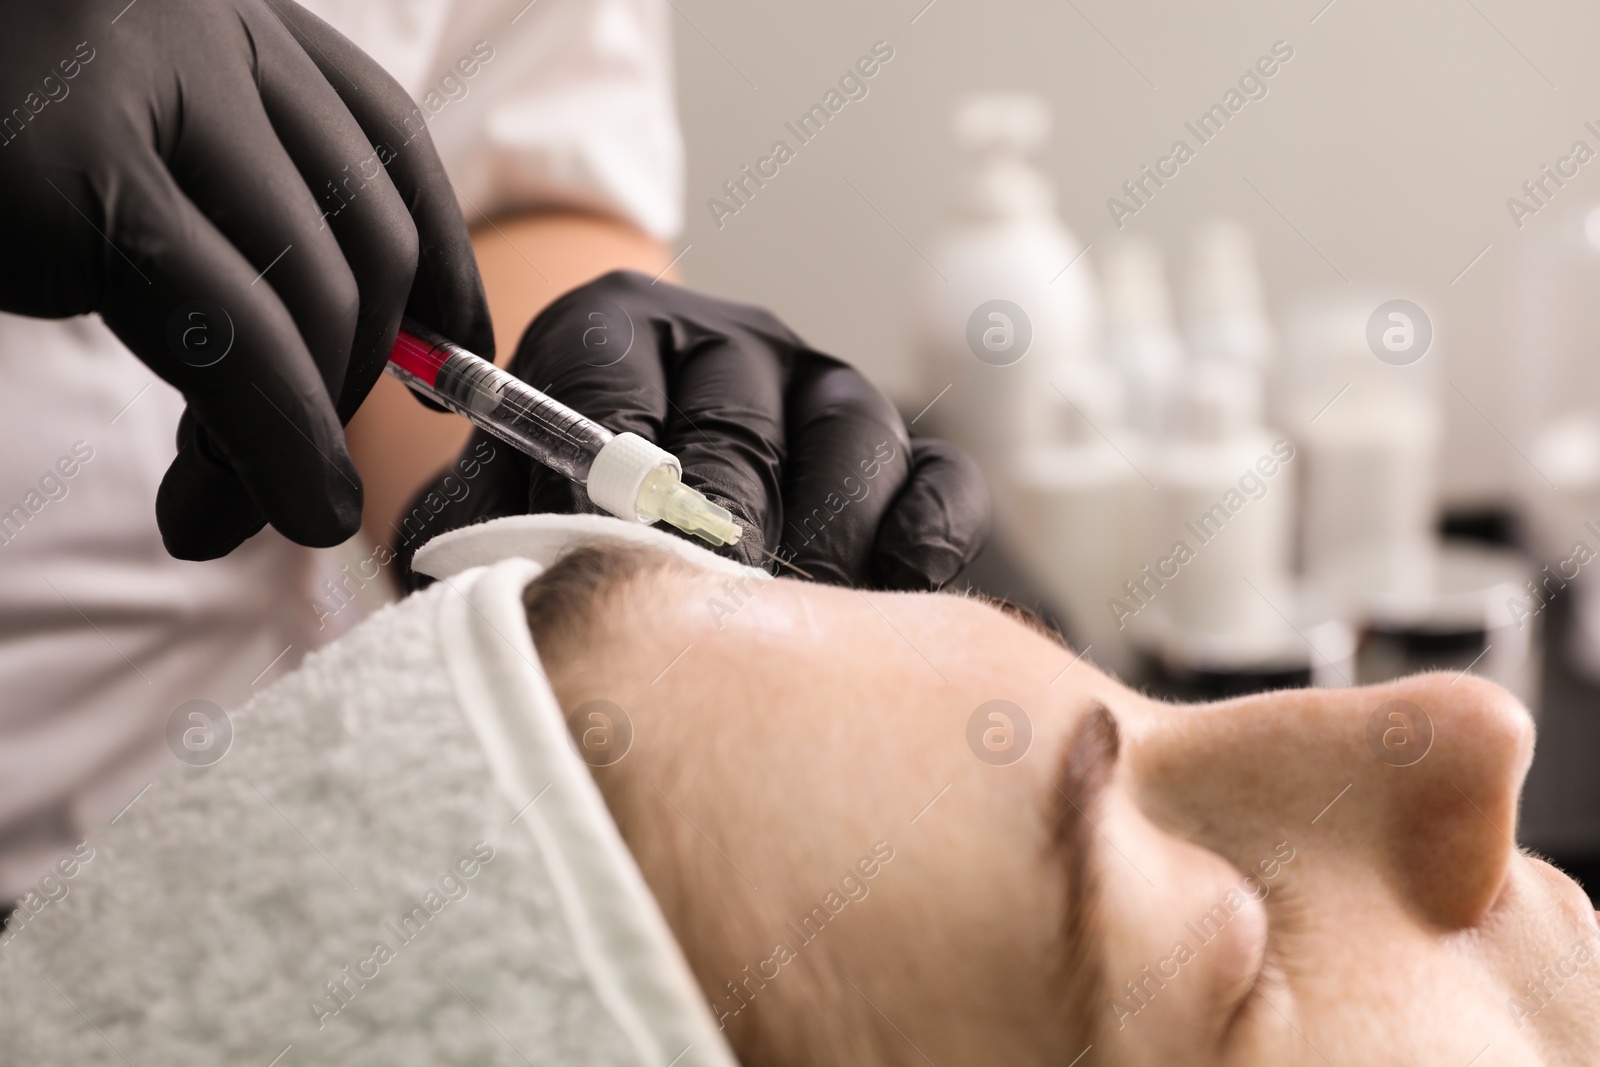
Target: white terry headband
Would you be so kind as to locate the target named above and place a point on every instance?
(400, 860)
(635, 964)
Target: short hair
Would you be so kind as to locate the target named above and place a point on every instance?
(564, 603)
(567, 605)
(1021, 613)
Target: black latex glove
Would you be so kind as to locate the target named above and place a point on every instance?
(246, 199)
(809, 456)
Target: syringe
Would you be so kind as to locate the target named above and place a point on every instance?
(623, 473)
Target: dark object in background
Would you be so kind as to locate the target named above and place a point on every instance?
(1560, 817)
(1486, 525)
(1197, 685)
(1384, 653)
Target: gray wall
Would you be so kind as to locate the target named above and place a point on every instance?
(1387, 148)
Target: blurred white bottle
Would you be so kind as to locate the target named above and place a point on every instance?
(1227, 313)
(1369, 433)
(1077, 501)
(1147, 358)
(1086, 498)
(1142, 346)
(1558, 410)
(1011, 340)
(1225, 483)
(1014, 306)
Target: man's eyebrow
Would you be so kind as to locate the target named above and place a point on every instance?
(1084, 774)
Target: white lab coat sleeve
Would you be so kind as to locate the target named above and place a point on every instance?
(569, 106)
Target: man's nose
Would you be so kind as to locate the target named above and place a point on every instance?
(1446, 806)
(1416, 781)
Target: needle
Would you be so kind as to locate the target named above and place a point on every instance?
(783, 562)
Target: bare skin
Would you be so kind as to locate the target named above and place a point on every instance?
(1387, 917)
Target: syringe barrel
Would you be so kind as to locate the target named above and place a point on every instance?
(498, 402)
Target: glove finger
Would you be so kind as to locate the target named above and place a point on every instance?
(190, 311)
(611, 351)
(601, 356)
(725, 423)
(603, 361)
(938, 522)
(447, 293)
(344, 285)
(359, 204)
(232, 167)
(199, 472)
(696, 375)
(848, 458)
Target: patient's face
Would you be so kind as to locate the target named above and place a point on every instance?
(1273, 880)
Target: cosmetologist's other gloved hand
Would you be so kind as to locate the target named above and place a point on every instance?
(809, 456)
(246, 199)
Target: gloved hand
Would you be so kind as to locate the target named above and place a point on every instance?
(245, 198)
(809, 456)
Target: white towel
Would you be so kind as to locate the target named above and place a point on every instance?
(401, 860)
